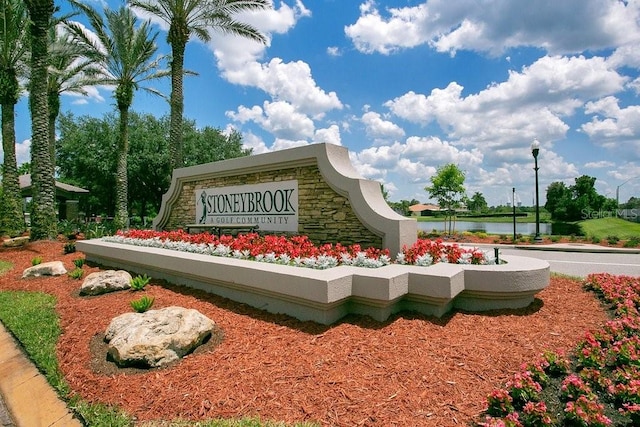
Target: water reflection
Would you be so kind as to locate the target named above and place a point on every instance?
(487, 227)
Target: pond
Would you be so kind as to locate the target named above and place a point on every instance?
(488, 227)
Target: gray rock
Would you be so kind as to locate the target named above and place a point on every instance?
(16, 242)
(101, 282)
(156, 337)
(52, 268)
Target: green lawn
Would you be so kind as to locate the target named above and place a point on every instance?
(605, 227)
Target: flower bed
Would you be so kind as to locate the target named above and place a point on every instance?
(300, 251)
(598, 385)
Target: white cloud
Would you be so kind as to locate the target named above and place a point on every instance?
(530, 104)
(599, 164)
(329, 135)
(282, 120)
(613, 126)
(334, 51)
(251, 140)
(497, 25)
(379, 129)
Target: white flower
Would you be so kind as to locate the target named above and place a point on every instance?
(284, 259)
(424, 260)
(346, 259)
(401, 259)
(270, 258)
(222, 250)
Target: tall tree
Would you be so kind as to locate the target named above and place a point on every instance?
(125, 50)
(185, 19)
(447, 187)
(71, 71)
(43, 212)
(14, 45)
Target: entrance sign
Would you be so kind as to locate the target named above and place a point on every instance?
(312, 191)
(272, 206)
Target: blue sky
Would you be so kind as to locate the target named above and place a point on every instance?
(410, 85)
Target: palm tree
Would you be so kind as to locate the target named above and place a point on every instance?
(71, 70)
(43, 216)
(125, 51)
(13, 55)
(195, 17)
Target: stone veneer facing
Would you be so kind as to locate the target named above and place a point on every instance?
(336, 205)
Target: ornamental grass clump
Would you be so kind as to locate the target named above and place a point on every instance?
(142, 304)
(299, 251)
(138, 283)
(76, 273)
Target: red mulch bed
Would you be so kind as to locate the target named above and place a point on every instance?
(411, 370)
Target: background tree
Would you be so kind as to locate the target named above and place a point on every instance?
(13, 56)
(43, 212)
(402, 207)
(447, 187)
(477, 203)
(185, 19)
(575, 202)
(124, 50)
(558, 200)
(87, 155)
(210, 145)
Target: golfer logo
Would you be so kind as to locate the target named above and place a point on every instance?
(203, 200)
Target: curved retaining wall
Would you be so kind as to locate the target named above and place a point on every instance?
(325, 296)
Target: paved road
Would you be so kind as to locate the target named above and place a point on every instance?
(583, 263)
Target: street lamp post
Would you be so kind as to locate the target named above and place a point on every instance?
(513, 205)
(618, 191)
(535, 149)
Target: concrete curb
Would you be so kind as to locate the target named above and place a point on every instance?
(29, 399)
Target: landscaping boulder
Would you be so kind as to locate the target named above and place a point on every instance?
(156, 337)
(15, 242)
(52, 268)
(101, 282)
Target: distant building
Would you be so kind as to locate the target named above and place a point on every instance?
(424, 210)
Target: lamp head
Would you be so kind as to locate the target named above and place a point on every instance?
(535, 148)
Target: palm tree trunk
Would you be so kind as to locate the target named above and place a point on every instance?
(54, 110)
(122, 183)
(177, 105)
(11, 215)
(43, 217)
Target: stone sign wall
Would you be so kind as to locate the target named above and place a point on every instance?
(333, 204)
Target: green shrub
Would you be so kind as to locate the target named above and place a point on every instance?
(139, 282)
(633, 242)
(595, 239)
(481, 235)
(555, 238)
(69, 247)
(36, 260)
(78, 262)
(613, 240)
(76, 273)
(142, 304)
